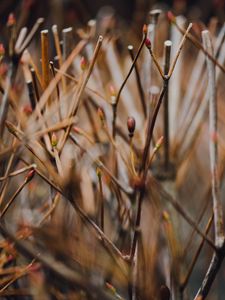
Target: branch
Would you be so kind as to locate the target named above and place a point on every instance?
(218, 255)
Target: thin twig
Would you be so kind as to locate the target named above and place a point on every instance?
(70, 276)
(30, 35)
(194, 260)
(131, 69)
(213, 147)
(11, 200)
(179, 50)
(59, 52)
(198, 45)
(78, 95)
(167, 47)
(181, 211)
(219, 254)
(140, 88)
(101, 200)
(127, 190)
(18, 172)
(151, 124)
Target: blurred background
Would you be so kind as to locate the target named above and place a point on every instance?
(77, 13)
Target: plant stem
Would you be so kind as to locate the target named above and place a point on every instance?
(34, 80)
(101, 202)
(219, 254)
(59, 52)
(30, 35)
(179, 50)
(189, 272)
(127, 190)
(179, 208)
(31, 93)
(3, 212)
(125, 80)
(5, 102)
(151, 125)
(45, 58)
(138, 79)
(78, 95)
(213, 147)
(20, 39)
(187, 246)
(167, 47)
(131, 69)
(71, 276)
(197, 44)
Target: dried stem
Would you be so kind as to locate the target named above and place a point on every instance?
(3, 212)
(70, 276)
(101, 200)
(179, 50)
(197, 44)
(51, 209)
(121, 185)
(57, 90)
(18, 172)
(101, 236)
(47, 93)
(195, 258)
(5, 102)
(219, 254)
(31, 93)
(167, 47)
(45, 58)
(31, 35)
(78, 95)
(177, 206)
(116, 101)
(151, 125)
(139, 85)
(151, 122)
(59, 52)
(213, 147)
(187, 247)
(20, 39)
(155, 61)
(131, 69)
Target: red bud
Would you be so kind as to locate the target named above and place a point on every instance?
(131, 124)
(11, 20)
(171, 17)
(145, 29)
(30, 175)
(35, 267)
(76, 129)
(83, 63)
(27, 109)
(111, 287)
(2, 50)
(148, 43)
